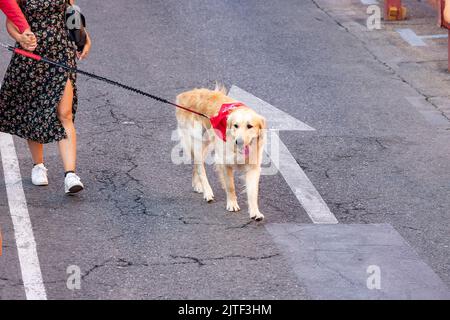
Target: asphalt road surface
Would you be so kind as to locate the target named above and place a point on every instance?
(138, 231)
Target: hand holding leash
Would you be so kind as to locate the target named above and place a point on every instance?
(28, 40)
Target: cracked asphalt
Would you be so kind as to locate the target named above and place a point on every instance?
(140, 232)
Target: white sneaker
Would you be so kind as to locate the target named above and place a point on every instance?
(39, 175)
(72, 184)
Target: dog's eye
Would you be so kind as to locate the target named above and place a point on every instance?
(249, 126)
(236, 126)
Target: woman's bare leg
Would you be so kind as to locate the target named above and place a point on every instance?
(37, 151)
(68, 146)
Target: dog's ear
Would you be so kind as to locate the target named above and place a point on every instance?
(261, 123)
(262, 135)
(221, 88)
(262, 132)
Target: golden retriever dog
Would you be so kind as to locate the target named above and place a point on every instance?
(240, 147)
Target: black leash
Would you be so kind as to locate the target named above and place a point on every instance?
(100, 78)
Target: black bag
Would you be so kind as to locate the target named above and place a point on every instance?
(76, 26)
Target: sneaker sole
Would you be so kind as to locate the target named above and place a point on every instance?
(74, 190)
(40, 184)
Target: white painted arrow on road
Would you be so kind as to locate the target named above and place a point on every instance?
(278, 120)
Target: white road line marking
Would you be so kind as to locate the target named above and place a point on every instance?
(304, 190)
(317, 257)
(435, 36)
(277, 119)
(411, 37)
(369, 2)
(23, 231)
(415, 40)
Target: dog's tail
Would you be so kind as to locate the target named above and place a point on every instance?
(220, 88)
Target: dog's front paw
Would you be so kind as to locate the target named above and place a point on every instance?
(256, 215)
(197, 187)
(208, 195)
(233, 206)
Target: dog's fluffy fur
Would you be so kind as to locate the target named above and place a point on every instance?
(243, 149)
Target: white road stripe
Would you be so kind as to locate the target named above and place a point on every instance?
(415, 40)
(276, 119)
(435, 36)
(411, 37)
(304, 190)
(23, 231)
(369, 2)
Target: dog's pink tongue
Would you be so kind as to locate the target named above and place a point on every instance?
(246, 151)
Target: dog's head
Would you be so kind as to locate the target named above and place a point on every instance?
(245, 127)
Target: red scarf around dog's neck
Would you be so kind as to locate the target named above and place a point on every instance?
(219, 122)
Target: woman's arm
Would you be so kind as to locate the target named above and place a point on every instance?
(447, 11)
(17, 25)
(26, 41)
(83, 55)
(13, 12)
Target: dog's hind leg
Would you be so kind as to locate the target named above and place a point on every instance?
(188, 141)
(200, 152)
(252, 186)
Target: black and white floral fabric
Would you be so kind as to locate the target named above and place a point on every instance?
(31, 90)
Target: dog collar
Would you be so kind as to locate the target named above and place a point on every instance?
(219, 121)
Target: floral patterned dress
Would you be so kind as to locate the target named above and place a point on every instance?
(31, 90)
